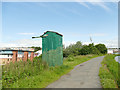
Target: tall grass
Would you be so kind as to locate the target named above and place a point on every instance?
(14, 71)
(109, 72)
(37, 74)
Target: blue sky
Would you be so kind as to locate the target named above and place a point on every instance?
(76, 21)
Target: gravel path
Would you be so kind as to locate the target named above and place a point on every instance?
(84, 75)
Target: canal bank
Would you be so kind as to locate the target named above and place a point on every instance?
(109, 72)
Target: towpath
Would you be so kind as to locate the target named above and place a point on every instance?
(84, 75)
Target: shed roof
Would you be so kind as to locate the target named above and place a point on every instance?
(51, 31)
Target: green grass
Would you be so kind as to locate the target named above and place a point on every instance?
(38, 74)
(109, 72)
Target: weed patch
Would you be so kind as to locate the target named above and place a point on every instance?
(109, 72)
(37, 74)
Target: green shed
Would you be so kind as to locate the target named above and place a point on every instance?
(52, 48)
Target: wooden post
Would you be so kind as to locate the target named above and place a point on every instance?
(25, 58)
(14, 57)
(32, 56)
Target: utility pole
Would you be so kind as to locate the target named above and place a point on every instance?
(91, 39)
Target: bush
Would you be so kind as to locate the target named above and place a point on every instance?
(72, 49)
(108, 83)
(84, 50)
(102, 48)
(94, 50)
(66, 53)
(70, 58)
(109, 72)
(79, 49)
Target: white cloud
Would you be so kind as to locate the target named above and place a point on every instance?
(32, 42)
(109, 43)
(112, 43)
(29, 43)
(98, 34)
(102, 5)
(73, 34)
(26, 33)
(7, 45)
(22, 43)
(82, 3)
(67, 43)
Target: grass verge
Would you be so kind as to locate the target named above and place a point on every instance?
(109, 72)
(38, 75)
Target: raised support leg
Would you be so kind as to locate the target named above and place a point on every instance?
(32, 56)
(25, 58)
(14, 57)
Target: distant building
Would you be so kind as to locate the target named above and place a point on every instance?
(6, 54)
(113, 50)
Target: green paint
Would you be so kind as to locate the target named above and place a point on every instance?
(52, 48)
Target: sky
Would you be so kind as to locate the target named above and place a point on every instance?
(76, 21)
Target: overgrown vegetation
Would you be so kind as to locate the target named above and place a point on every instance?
(109, 72)
(14, 71)
(37, 74)
(79, 49)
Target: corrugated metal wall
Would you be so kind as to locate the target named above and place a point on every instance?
(52, 49)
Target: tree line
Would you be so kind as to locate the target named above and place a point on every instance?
(79, 49)
(36, 48)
